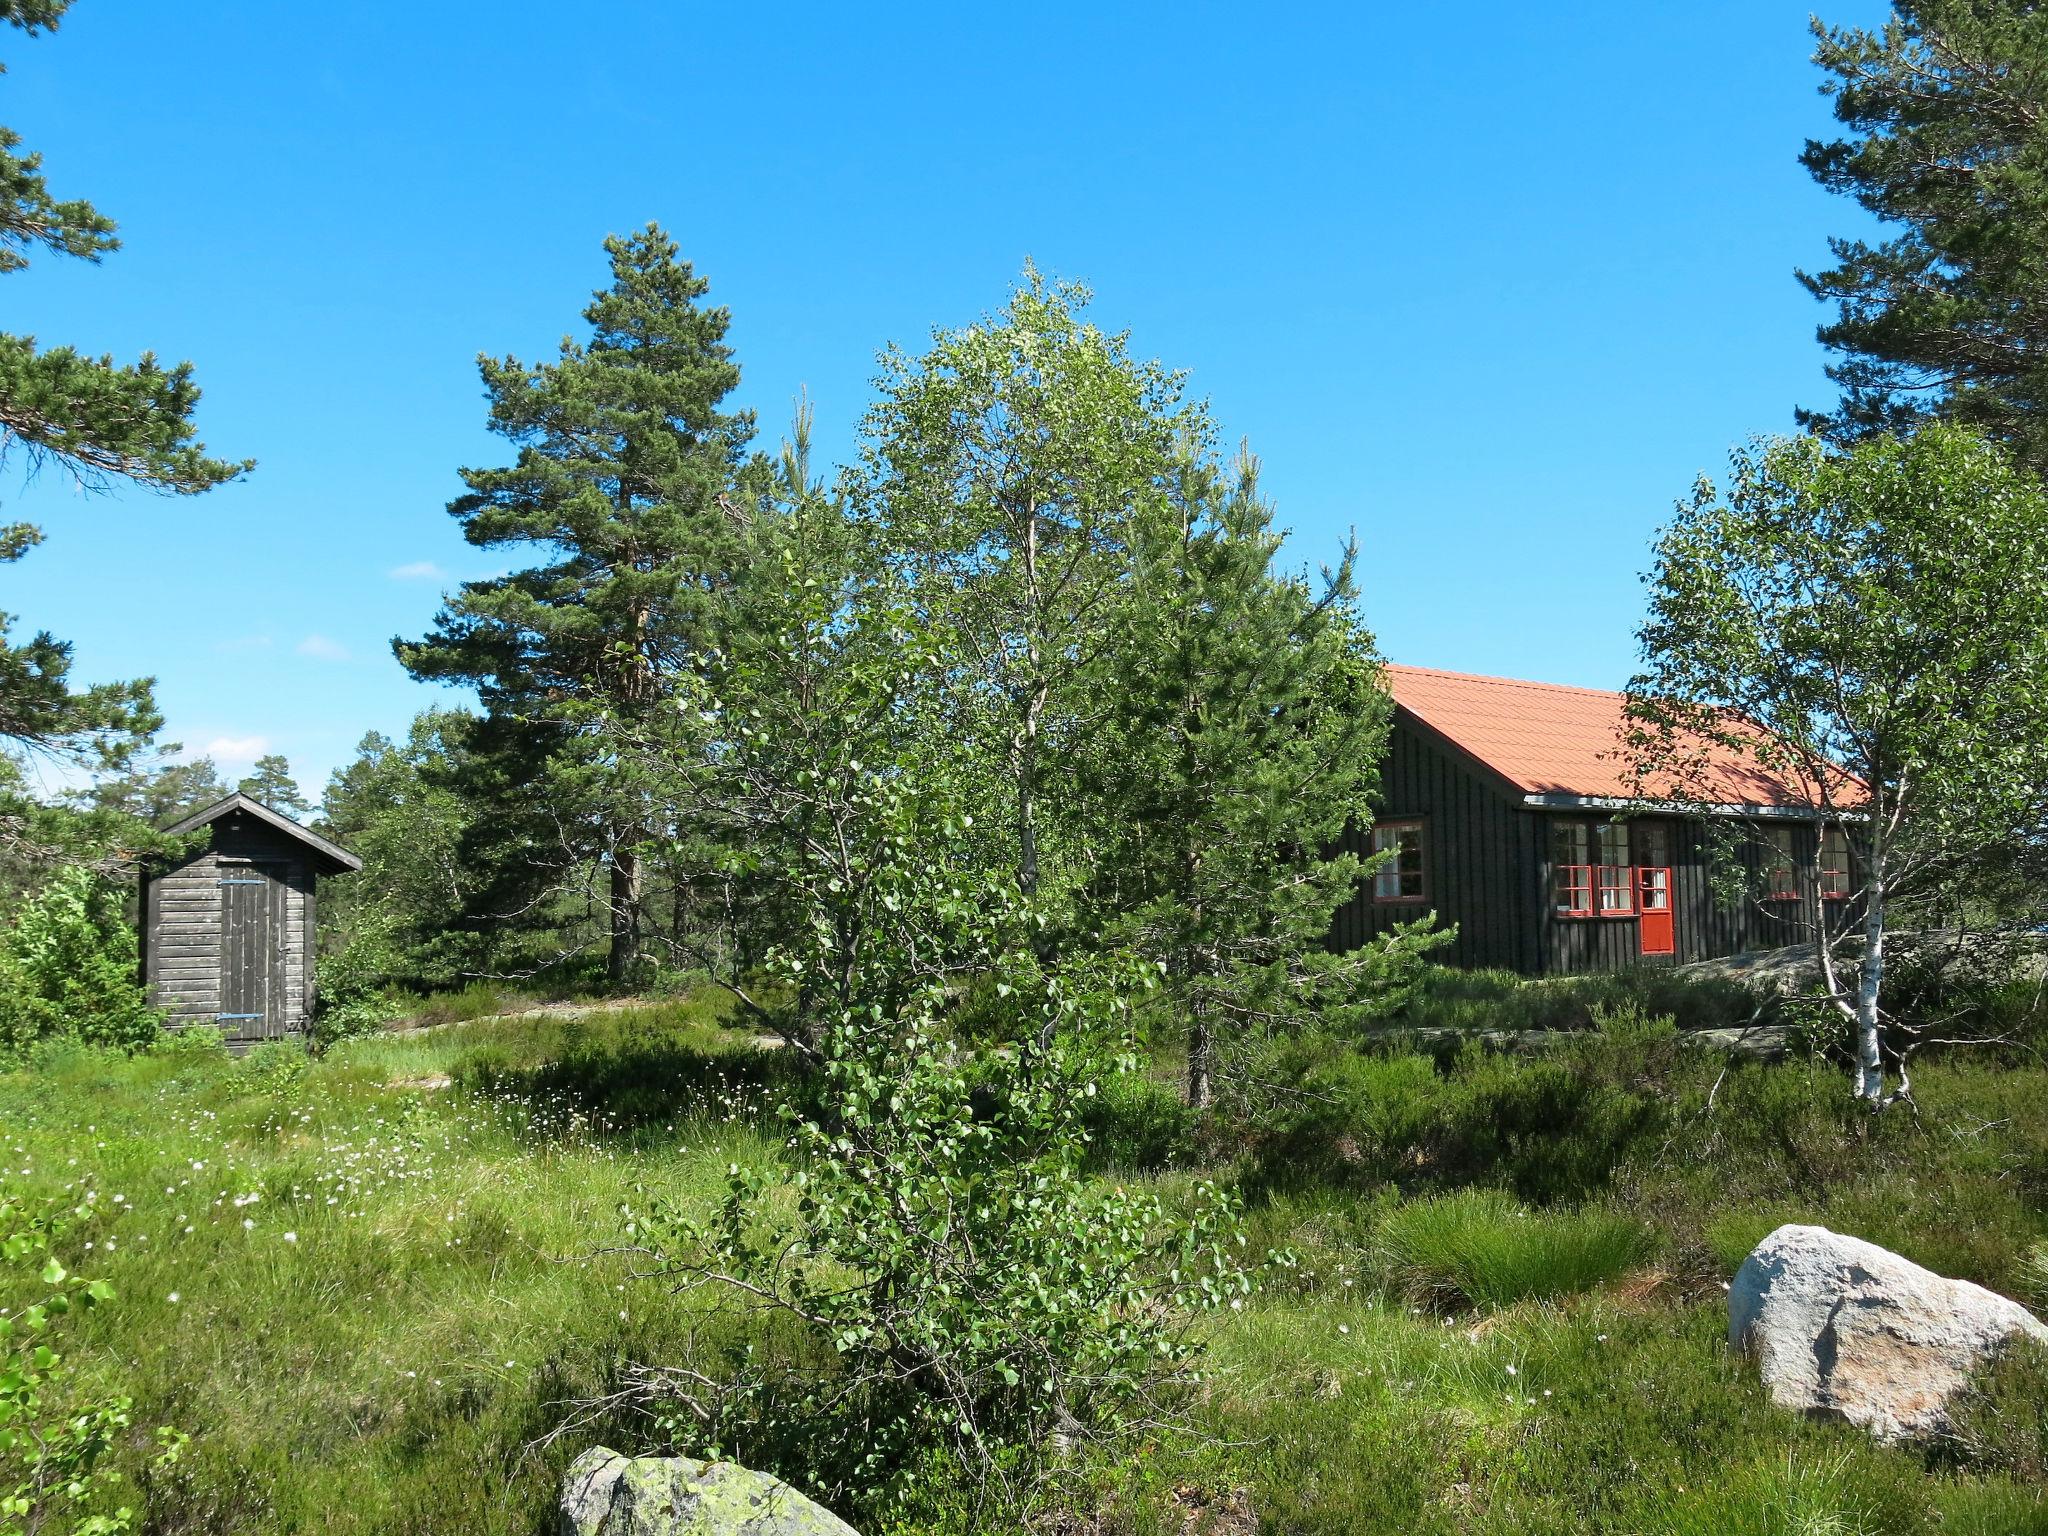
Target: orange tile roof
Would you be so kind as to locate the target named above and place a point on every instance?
(1548, 739)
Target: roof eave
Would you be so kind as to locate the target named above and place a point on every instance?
(1558, 801)
(340, 860)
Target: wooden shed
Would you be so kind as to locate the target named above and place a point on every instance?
(228, 929)
(1509, 810)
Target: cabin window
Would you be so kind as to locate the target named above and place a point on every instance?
(1572, 868)
(1401, 877)
(1781, 871)
(1834, 864)
(1653, 845)
(1614, 879)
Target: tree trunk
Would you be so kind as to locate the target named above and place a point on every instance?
(1027, 803)
(625, 914)
(1869, 988)
(1200, 1089)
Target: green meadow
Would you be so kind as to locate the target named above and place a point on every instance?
(385, 1290)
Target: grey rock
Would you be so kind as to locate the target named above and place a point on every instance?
(606, 1494)
(1849, 1330)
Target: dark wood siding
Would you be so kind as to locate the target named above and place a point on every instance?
(1705, 925)
(1487, 855)
(197, 937)
(1476, 855)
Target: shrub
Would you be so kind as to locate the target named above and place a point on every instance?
(1553, 1127)
(353, 983)
(1501, 1000)
(1480, 1247)
(68, 969)
(1136, 1122)
(54, 1449)
(955, 1293)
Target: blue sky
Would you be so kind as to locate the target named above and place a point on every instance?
(1489, 284)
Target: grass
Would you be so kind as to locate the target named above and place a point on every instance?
(1480, 1248)
(370, 1284)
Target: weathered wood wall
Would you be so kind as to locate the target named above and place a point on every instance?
(1481, 860)
(185, 943)
(1488, 869)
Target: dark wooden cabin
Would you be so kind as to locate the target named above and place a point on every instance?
(228, 929)
(1508, 808)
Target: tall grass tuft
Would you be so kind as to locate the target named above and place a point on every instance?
(1479, 1247)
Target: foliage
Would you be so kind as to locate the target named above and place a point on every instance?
(98, 421)
(1478, 1247)
(1553, 1128)
(1448, 999)
(957, 1286)
(54, 1468)
(368, 1378)
(157, 788)
(1246, 734)
(352, 985)
(271, 783)
(622, 487)
(1870, 625)
(1004, 475)
(68, 969)
(1946, 144)
(404, 810)
(972, 1291)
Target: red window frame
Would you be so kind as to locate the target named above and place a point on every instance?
(1572, 895)
(1401, 898)
(1836, 881)
(1614, 889)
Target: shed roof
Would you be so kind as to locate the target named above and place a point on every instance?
(1562, 745)
(332, 857)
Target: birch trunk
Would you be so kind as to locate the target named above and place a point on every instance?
(1869, 988)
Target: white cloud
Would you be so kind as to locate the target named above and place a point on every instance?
(320, 648)
(419, 570)
(236, 749)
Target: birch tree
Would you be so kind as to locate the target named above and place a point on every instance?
(1004, 473)
(1871, 623)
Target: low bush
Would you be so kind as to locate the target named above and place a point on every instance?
(1553, 1127)
(68, 969)
(623, 1070)
(1479, 1247)
(1470, 1001)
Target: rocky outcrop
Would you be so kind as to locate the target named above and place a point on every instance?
(606, 1494)
(1848, 1329)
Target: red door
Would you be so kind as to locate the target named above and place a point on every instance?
(1656, 933)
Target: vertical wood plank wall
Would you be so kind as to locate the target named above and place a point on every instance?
(1479, 860)
(1488, 870)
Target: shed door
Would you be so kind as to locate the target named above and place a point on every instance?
(252, 951)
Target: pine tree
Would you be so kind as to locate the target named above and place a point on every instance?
(157, 788)
(1248, 735)
(1947, 108)
(271, 783)
(621, 488)
(92, 418)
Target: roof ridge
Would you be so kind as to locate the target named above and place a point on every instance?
(1506, 682)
